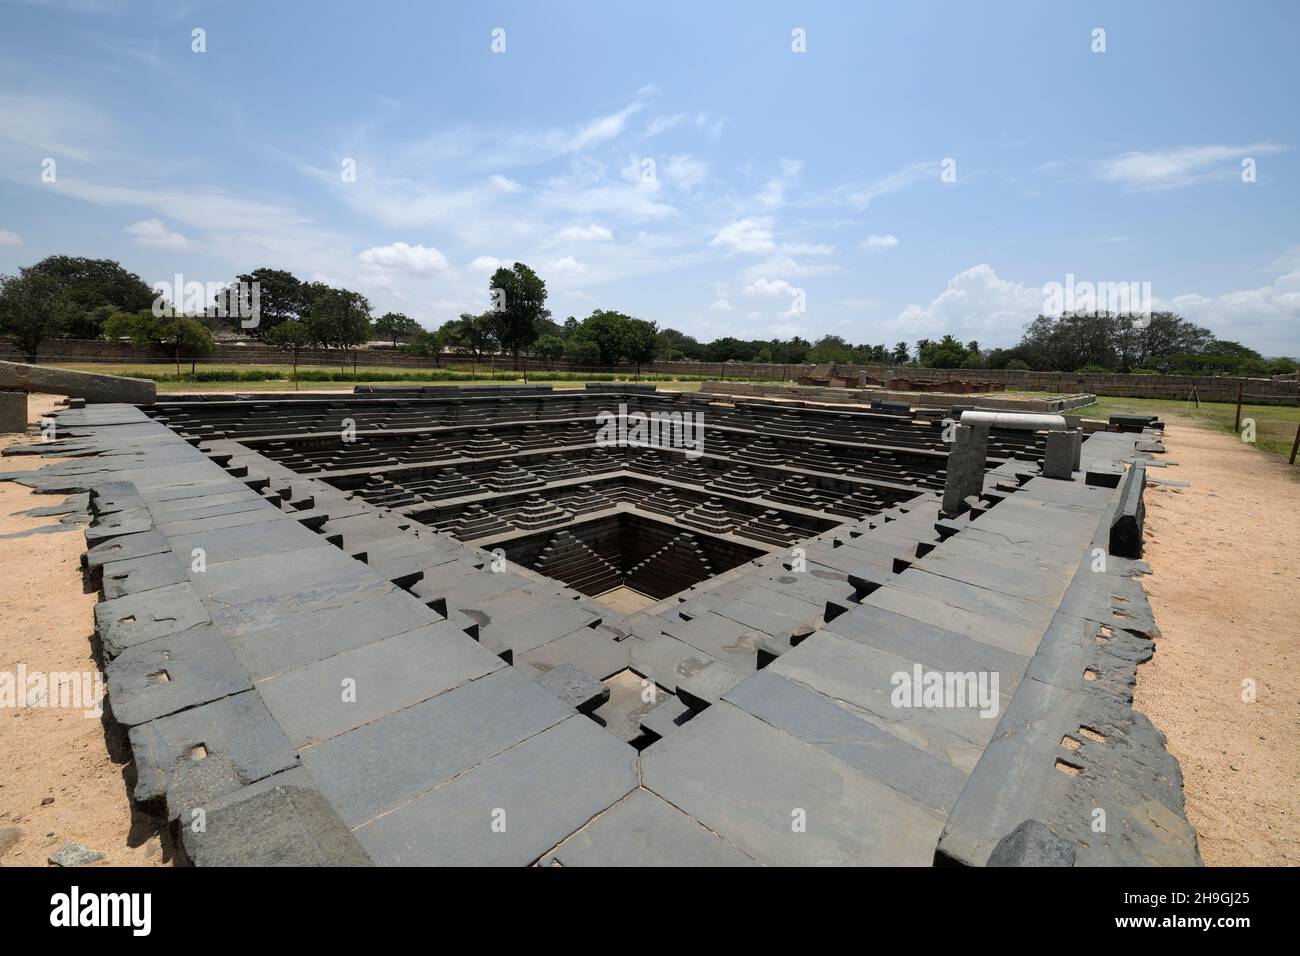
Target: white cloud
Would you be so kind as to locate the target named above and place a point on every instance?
(485, 264)
(685, 172)
(400, 257)
(1180, 166)
(880, 242)
(8, 238)
(746, 235)
(566, 265)
(720, 305)
(807, 248)
(591, 233)
(504, 183)
(977, 304)
(1266, 318)
(860, 197)
(152, 233)
(771, 287)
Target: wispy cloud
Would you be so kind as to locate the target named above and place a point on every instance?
(1181, 165)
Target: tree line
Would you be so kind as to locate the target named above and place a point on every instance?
(71, 297)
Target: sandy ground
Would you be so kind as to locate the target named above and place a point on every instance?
(1225, 592)
(58, 780)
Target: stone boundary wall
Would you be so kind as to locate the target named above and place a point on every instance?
(1262, 391)
(817, 393)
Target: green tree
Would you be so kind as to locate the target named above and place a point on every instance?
(174, 334)
(549, 347)
(608, 332)
(395, 325)
(293, 335)
(640, 342)
(946, 353)
(337, 318)
(900, 354)
(519, 302)
(281, 296)
(33, 307)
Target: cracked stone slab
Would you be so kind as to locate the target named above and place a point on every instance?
(750, 783)
(644, 830)
(117, 524)
(197, 755)
(576, 688)
(169, 674)
(126, 621)
(542, 790)
(332, 696)
(279, 821)
(120, 578)
(381, 765)
(126, 547)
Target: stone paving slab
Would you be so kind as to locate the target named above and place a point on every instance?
(127, 621)
(120, 578)
(313, 703)
(539, 792)
(822, 723)
(643, 830)
(169, 674)
(379, 766)
(196, 755)
(747, 781)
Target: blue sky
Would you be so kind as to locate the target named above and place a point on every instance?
(773, 171)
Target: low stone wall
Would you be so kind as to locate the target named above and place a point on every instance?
(88, 385)
(817, 393)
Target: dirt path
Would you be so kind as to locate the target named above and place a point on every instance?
(1225, 592)
(55, 753)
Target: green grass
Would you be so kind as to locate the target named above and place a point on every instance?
(279, 378)
(1275, 425)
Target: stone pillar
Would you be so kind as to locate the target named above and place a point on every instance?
(13, 412)
(1063, 454)
(966, 464)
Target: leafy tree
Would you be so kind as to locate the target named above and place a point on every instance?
(900, 354)
(172, 333)
(640, 342)
(946, 353)
(549, 347)
(608, 332)
(33, 307)
(293, 335)
(337, 318)
(281, 297)
(395, 325)
(830, 348)
(524, 304)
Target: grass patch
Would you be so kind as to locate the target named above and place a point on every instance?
(1275, 425)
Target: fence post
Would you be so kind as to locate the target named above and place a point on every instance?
(1241, 390)
(1295, 445)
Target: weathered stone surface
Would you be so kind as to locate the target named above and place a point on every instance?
(120, 578)
(331, 696)
(381, 765)
(197, 755)
(1032, 844)
(168, 674)
(126, 621)
(91, 386)
(279, 821)
(13, 412)
(74, 854)
(643, 830)
(576, 688)
(536, 793)
(752, 784)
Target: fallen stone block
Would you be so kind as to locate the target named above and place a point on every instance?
(1032, 844)
(92, 386)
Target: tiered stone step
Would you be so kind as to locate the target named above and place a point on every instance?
(449, 483)
(677, 565)
(558, 468)
(510, 477)
(769, 527)
(860, 504)
(585, 500)
(709, 516)
(820, 458)
(797, 490)
(763, 452)
(483, 444)
(476, 522)
(739, 481)
(664, 501)
(539, 513)
(567, 559)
